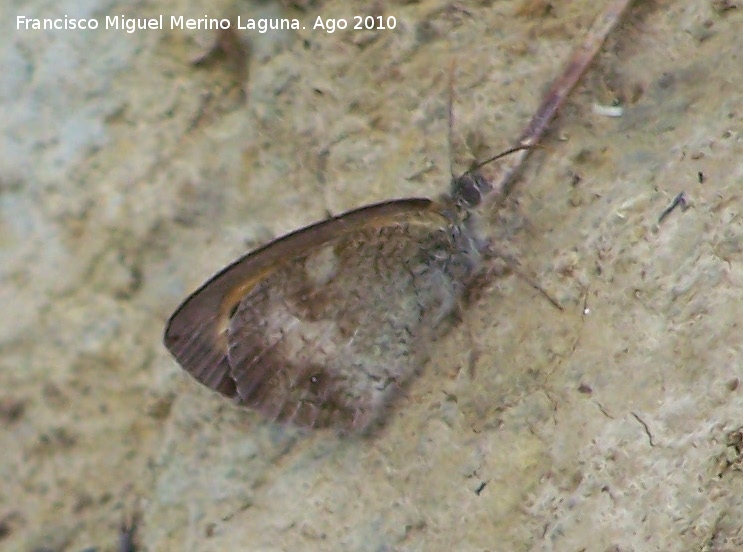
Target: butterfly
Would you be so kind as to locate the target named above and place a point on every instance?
(322, 327)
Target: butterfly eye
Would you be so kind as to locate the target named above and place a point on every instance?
(470, 188)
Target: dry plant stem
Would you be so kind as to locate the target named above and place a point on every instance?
(558, 93)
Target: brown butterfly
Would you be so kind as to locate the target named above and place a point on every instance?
(322, 326)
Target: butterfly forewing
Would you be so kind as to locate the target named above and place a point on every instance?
(321, 327)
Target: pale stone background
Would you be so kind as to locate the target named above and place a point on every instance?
(128, 176)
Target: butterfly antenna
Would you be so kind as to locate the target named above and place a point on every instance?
(497, 156)
(450, 137)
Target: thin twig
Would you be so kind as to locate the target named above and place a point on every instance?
(558, 93)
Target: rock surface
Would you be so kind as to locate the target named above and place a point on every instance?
(128, 175)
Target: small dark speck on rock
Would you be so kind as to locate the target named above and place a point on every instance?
(12, 409)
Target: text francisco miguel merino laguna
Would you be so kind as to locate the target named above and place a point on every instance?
(132, 24)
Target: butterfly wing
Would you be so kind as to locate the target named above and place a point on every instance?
(321, 327)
